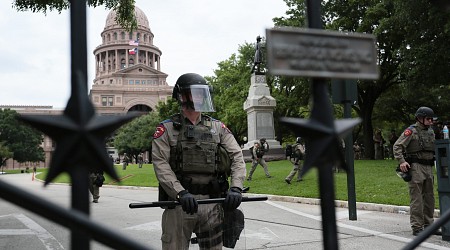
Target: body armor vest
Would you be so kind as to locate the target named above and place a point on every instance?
(423, 140)
(196, 150)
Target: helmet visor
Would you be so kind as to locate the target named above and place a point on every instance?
(198, 97)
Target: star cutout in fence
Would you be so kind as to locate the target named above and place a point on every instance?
(79, 134)
(322, 141)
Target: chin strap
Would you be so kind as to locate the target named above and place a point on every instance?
(421, 122)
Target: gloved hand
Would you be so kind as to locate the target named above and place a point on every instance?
(233, 199)
(188, 202)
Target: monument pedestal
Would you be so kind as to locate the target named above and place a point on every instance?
(259, 107)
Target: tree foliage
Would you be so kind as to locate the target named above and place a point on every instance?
(411, 37)
(19, 139)
(124, 8)
(136, 136)
(5, 154)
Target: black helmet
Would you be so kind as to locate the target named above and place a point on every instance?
(298, 140)
(193, 85)
(424, 112)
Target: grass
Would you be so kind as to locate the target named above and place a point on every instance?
(375, 181)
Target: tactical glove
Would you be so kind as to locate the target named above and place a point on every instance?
(233, 199)
(188, 202)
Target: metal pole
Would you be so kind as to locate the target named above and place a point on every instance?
(349, 158)
(80, 185)
(326, 181)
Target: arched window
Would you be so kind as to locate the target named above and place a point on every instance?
(122, 63)
(122, 35)
(115, 36)
(145, 37)
(109, 38)
(130, 36)
(138, 36)
(131, 62)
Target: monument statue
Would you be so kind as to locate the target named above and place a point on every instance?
(258, 56)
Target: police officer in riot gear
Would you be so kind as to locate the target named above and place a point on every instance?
(414, 150)
(299, 151)
(185, 158)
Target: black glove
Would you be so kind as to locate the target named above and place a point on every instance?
(188, 202)
(233, 199)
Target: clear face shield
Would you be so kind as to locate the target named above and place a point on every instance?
(198, 98)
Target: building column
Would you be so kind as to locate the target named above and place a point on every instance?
(107, 61)
(159, 63)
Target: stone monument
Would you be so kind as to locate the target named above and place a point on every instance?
(259, 107)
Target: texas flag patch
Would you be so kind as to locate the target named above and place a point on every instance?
(160, 130)
(407, 132)
(226, 129)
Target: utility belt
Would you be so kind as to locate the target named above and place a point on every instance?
(214, 188)
(411, 160)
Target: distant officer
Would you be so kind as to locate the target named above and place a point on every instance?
(258, 150)
(96, 180)
(140, 160)
(184, 153)
(414, 150)
(125, 161)
(299, 151)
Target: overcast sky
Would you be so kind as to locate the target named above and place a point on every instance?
(193, 35)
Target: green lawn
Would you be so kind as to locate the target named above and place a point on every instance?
(375, 181)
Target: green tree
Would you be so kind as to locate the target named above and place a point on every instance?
(124, 8)
(167, 109)
(136, 137)
(406, 32)
(230, 84)
(23, 141)
(5, 154)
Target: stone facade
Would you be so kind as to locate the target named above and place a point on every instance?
(128, 81)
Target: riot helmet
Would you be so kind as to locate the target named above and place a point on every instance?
(298, 140)
(423, 112)
(192, 91)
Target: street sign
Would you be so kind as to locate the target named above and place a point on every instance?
(321, 53)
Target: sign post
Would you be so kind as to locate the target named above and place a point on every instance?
(321, 54)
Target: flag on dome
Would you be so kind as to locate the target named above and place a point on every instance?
(132, 51)
(133, 43)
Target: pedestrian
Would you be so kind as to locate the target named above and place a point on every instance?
(140, 160)
(299, 152)
(125, 161)
(414, 150)
(378, 144)
(357, 151)
(258, 152)
(185, 150)
(96, 180)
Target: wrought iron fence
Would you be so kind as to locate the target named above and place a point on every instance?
(80, 127)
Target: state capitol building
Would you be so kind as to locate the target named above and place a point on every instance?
(128, 76)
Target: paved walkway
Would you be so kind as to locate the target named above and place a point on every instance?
(279, 223)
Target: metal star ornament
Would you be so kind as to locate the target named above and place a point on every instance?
(323, 142)
(322, 133)
(79, 134)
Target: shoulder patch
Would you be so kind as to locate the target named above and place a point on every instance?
(160, 130)
(407, 132)
(225, 128)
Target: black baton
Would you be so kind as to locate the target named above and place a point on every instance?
(205, 201)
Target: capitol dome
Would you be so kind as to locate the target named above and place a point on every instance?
(141, 18)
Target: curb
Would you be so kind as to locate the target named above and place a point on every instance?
(309, 201)
(344, 204)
